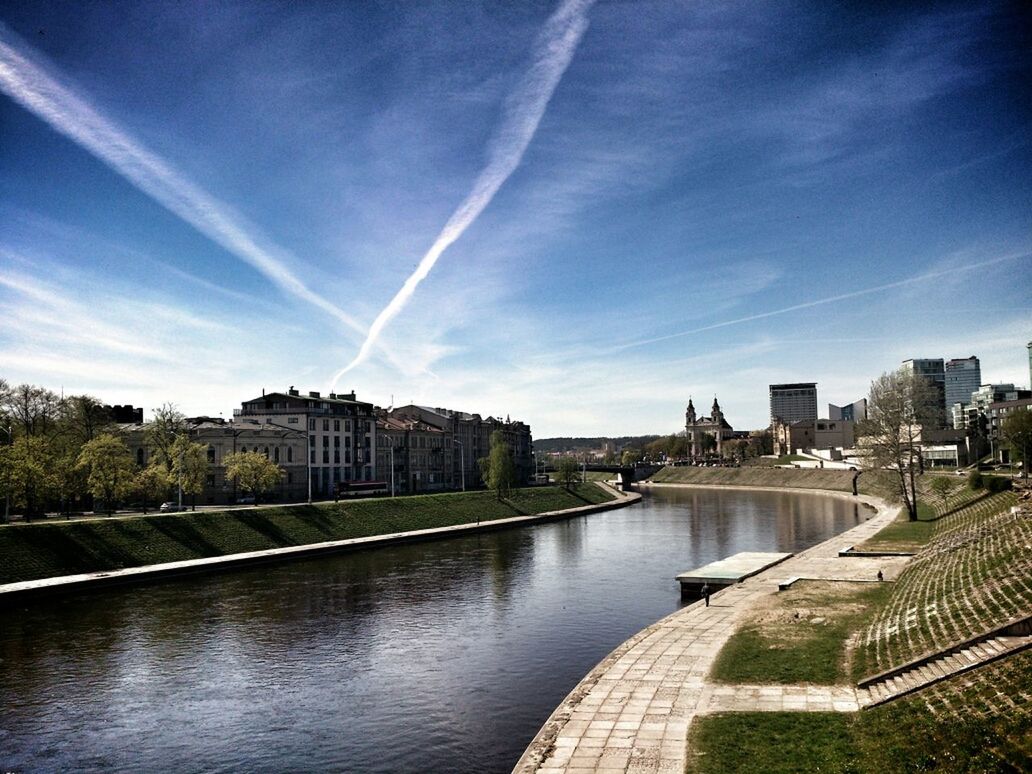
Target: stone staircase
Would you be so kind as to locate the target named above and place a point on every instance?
(934, 668)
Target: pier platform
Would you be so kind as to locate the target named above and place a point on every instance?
(727, 572)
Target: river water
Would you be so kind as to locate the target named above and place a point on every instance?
(444, 656)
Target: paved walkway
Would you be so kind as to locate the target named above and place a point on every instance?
(782, 698)
(631, 712)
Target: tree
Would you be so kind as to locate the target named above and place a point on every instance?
(28, 475)
(252, 472)
(151, 483)
(83, 418)
(498, 468)
(160, 434)
(899, 404)
(189, 466)
(567, 471)
(630, 457)
(942, 488)
(1017, 431)
(110, 469)
(34, 409)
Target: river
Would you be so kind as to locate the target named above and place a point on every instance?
(443, 656)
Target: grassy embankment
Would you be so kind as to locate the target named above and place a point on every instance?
(972, 573)
(32, 551)
(834, 480)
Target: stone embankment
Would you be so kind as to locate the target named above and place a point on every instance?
(202, 532)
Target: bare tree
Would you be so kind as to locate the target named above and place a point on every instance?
(160, 434)
(898, 405)
(34, 409)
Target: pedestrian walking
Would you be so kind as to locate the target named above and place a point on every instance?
(705, 593)
(880, 576)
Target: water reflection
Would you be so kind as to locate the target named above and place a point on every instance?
(435, 657)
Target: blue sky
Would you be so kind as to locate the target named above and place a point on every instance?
(634, 202)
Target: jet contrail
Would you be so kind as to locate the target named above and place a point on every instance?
(24, 80)
(829, 300)
(524, 107)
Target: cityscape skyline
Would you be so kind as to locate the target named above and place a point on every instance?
(197, 204)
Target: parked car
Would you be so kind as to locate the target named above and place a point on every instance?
(171, 507)
(245, 500)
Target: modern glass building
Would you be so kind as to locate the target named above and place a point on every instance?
(933, 370)
(963, 377)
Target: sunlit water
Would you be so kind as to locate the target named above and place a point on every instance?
(444, 656)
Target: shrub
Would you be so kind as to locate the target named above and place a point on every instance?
(976, 480)
(997, 483)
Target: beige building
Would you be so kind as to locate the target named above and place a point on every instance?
(795, 437)
(413, 456)
(339, 429)
(470, 437)
(222, 438)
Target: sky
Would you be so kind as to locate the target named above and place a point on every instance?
(578, 214)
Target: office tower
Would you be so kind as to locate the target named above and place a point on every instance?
(963, 377)
(933, 371)
(793, 402)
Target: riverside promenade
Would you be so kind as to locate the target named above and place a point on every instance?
(631, 712)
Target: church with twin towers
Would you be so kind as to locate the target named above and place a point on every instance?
(698, 430)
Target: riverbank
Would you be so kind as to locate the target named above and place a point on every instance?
(633, 710)
(47, 558)
(778, 478)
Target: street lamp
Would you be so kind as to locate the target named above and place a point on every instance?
(462, 462)
(307, 451)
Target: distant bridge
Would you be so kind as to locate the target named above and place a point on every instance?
(625, 474)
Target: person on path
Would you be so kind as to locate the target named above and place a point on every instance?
(880, 576)
(705, 593)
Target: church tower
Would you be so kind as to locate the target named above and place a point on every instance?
(691, 434)
(718, 423)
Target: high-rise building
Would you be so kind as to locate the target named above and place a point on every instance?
(963, 377)
(933, 371)
(793, 402)
(853, 412)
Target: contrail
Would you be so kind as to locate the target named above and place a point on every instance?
(524, 108)
(829, 300)
(25, 81)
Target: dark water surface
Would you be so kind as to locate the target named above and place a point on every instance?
(443, 657)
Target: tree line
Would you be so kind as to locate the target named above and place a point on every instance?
(66, 453)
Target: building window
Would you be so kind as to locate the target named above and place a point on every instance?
(313, 456)
(347, 425)
(326, 425)
(209, 480)
(336, 425)
(211, 454)
(336, 456)
(311, 424)
(290, 454)
(291, 420)
(139, 457)
(326, 456)
(275, 454)
(311, 441)
(325, 441)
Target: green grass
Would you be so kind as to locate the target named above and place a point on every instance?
(785, 459)
(31, 551)
(904, 736)
(802, 639)
(770, 742)
(903, 534)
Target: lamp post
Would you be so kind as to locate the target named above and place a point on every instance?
(462, 462)
(391, 447)
(308, 453)
(7, 480)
